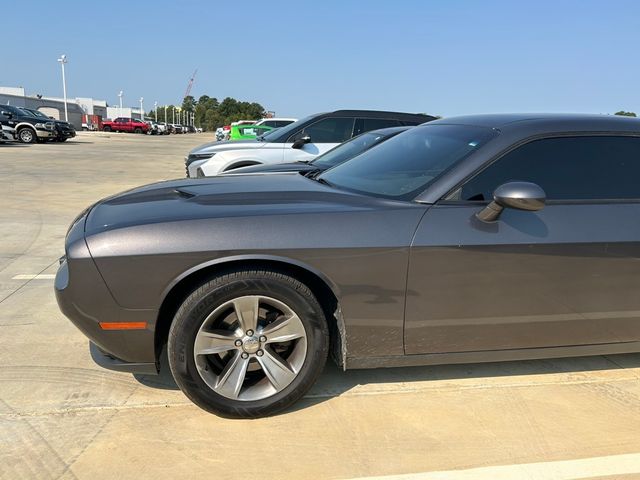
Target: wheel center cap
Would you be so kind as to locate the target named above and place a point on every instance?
(251, 344)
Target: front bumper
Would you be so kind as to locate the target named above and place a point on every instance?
(84, 298)
(67, 133)
(192, 167)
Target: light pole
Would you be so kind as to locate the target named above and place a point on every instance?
(174, 115)
(155, 110)
(120, 95)
(63, 60)
(141, 110)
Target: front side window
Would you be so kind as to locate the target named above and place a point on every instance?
(403, 166)
(328, 130)
(567, 168)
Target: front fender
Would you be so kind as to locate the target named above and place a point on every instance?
(243, 258)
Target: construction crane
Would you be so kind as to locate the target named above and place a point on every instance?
(193, 77)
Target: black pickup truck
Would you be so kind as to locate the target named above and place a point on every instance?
(64, 130)
(28, 127)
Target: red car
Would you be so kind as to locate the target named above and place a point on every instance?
(125, 124)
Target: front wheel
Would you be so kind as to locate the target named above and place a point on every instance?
(248, 344)
(106, 129)
(27, 135)
(137, 130)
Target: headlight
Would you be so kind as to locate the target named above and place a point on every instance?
(198, 156)
(39, 125)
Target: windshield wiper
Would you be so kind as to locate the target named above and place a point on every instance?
(322, 181)
(312, 174)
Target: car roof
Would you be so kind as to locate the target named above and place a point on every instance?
(546, 121)
(378, 114)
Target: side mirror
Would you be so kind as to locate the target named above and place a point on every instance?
(6, 114)
(301, 142)
(519, 195)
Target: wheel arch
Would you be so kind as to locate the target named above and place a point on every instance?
(25, 124)
(325, 290)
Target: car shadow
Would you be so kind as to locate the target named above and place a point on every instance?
(334, 382)
(14, 144)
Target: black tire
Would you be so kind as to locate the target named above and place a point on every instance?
(106, 129)
(62, 139)
(27, 135)
(137, 130)
(198, 306)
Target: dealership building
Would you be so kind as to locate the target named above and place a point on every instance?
(54, 106)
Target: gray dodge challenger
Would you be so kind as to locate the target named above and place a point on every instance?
(469, 239)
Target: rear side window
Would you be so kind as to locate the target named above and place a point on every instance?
(328, 130)
(568, 168)
(367, 124)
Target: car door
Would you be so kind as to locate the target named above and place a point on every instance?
(566, 275)
(324, 134)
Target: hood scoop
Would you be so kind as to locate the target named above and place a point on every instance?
(184, 193)
(147, 196)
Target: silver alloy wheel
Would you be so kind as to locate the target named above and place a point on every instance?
(26, 135)
(250, 348)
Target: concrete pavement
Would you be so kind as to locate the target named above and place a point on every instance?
(63, 417)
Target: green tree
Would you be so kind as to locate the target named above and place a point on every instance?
(210, 114)
(189, 103)
(622, 113)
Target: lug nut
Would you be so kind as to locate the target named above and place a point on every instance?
(259, 353)
(238, 343)
(263, 338)
(249, 333)
(245, 355)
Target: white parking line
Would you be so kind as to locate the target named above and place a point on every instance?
(38, 276)
(560, 470)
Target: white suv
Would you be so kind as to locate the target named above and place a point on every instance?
(299, 141)
(276, 122)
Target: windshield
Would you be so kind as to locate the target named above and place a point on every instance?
(349, 149)
(406, 164)
(281, 134)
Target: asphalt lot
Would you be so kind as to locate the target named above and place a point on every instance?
(61, 416)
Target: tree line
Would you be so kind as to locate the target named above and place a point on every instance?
(209, 113)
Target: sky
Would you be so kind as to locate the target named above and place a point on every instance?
(444, 57)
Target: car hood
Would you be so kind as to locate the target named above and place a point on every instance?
(223, 196)
(215, 147)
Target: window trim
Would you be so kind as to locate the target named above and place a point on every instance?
(544, 136)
